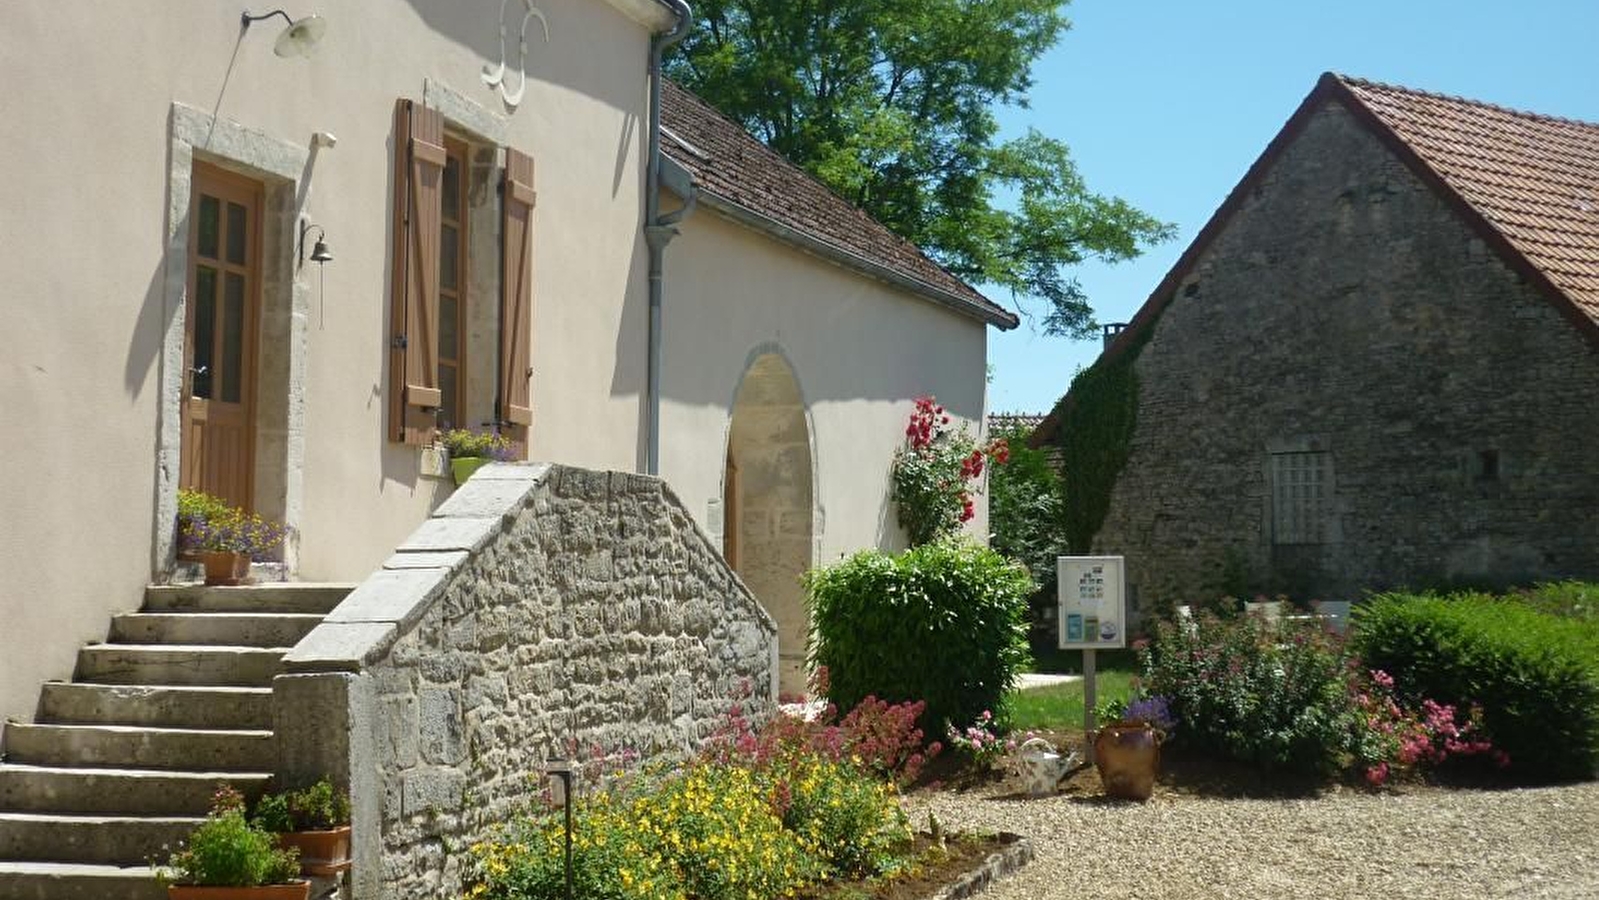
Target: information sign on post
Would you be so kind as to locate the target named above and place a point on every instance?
(1093, 602)
(1092, 617)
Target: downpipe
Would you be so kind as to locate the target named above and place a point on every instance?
(658, 230)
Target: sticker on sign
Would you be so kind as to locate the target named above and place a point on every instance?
(1093, 602)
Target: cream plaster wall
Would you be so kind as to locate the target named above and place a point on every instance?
(90, 89)
(860, 350)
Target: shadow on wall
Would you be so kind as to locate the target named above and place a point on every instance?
(566, 59)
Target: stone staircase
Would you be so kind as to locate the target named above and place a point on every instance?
(123, 759)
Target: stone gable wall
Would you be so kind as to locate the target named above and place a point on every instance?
(1346, 308)
(543, 612)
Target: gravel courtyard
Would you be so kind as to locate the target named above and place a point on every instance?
(1421, 842)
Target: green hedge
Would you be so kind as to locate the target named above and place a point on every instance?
(944, 623)
(1535, 675)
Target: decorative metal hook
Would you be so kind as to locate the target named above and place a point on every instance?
(496, 77)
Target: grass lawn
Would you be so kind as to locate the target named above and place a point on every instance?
(1061, 706)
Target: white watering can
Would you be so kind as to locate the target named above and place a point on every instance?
(1043, 766)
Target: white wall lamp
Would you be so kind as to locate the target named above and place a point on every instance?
(296, 40)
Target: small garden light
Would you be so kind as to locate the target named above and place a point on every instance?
(560, 773)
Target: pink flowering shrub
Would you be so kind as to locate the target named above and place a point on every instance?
(1391, 740)
(978, 742)
(1293, 695)
(879, 736)
(934, 473)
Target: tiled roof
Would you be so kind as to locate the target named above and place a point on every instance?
(1534, 178)
(732, 167)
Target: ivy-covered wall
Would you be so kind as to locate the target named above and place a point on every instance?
(1098, 417)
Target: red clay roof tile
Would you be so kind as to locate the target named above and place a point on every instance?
(730, 164)
(1534, 177)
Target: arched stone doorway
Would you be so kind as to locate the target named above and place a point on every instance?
(768, 498)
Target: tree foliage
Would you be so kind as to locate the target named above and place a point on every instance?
(1027, 508)
(891, 103)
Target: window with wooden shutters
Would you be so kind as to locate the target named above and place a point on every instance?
(414, 368)
(516, 296)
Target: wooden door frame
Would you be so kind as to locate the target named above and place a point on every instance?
(281, 167)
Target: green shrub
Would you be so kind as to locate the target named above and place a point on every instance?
(1535, 675)
(226, 850)
(1273, 694)
(1569, 599)
(1026, 505)
(316, 808)
(944, 623)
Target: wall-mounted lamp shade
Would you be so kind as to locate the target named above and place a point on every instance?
(300, 38)
(296, 40)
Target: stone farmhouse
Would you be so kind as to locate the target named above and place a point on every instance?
(1377, 364)
(318, 237)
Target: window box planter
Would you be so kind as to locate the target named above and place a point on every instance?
(463, 468)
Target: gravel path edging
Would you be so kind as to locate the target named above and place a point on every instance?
(998, 864)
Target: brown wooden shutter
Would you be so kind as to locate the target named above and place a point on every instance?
(516, 294)
(414, 359)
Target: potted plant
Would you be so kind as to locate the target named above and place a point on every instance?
(227, 539)
(195, 509)
(314, 821)
(471, 450)
(229, 858)
(1127, 751)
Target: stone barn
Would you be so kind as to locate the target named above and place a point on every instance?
(1376, 366)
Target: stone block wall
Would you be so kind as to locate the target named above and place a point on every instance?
(544, 611)
(1346, 309)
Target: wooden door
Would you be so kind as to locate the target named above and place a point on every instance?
(219, 346)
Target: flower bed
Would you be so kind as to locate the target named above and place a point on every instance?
(770, 812)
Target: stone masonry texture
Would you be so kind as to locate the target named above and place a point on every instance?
(1346, 309)
(595, 621)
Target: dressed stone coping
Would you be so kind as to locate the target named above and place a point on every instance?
(365, 625)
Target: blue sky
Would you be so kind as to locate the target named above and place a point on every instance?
(1167, 102)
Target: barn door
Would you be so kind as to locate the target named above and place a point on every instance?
(223, 307)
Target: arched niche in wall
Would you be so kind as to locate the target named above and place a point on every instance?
(768, 502)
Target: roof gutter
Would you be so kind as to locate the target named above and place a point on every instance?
(658, 229)
(799, 239)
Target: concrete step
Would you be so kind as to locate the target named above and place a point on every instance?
(77, 881)
(179, 664)
(160, 706)
(140, 747)
(145, 792)
(288, 597)
(233, 629)
(119, 840)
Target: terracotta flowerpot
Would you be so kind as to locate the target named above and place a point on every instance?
(225, 566)
(1127, 755)
(321, 852)
(294, 890)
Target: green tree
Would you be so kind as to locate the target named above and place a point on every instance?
(891, 103)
